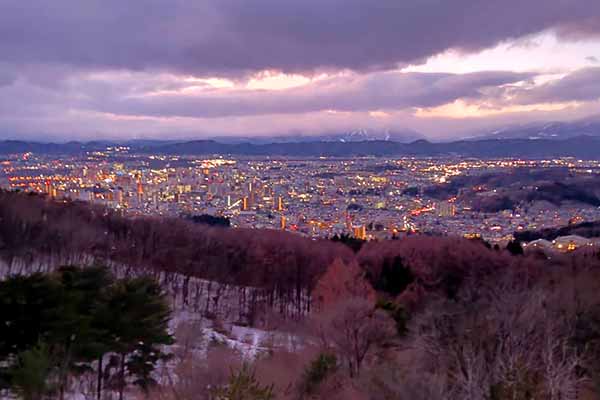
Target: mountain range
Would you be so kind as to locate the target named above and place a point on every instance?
(537, 140)
(357, 135)
(587, 147)
(547, 130)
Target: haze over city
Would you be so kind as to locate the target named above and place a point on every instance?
(74, 70)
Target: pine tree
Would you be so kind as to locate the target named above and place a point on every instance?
(141, 315)
(30, 376)
(243, 385)
(27, 308)
(317, 372)
(78, 334)
(81, 314)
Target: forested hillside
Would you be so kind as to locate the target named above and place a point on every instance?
(417, 318)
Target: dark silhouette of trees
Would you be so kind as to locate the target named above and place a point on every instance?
(264, 267)
(394, 277)
(211, 220)
(316, 373)
(31, 375)
(55, 326)
(354, 243)
(139, 325)
(398, 313)
(438, 265)
(585, 229)
(514, 247)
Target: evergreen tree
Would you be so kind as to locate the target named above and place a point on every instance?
(28, 308)
(316, 373)
(398, 313)
(80, 315)
(515, 248)
(142, 362)
(141, 315)
(30, 376)
(76, 335)
(394, 277)
(243, 385)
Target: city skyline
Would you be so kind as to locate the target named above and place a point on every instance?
(368, 198)
(104, 70)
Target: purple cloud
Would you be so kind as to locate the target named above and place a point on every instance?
(581, 85)
(380, 91)
(232, 37)
(109, 65)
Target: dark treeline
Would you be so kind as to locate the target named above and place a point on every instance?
(211, 220)
(516, 177)
(584, 229)
(417, 265)
(39, 233)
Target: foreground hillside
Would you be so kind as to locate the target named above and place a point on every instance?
(419, 318)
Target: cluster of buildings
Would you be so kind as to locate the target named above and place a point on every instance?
(369, 198)
(562, 244)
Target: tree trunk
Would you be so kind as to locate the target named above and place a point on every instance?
(63, 373)
(122, 377)
(99, 384)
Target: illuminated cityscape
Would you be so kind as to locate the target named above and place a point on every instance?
(368, 198)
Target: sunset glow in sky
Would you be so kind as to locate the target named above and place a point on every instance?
(179, 69)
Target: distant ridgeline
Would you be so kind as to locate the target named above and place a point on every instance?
(587, 147)
(584, 229)
(499, 191)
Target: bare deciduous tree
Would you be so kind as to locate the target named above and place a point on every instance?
(353, 329)
(499, 341)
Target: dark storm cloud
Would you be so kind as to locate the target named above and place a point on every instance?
(229, 37)
(378, 91)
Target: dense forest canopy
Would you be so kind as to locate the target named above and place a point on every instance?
(442, 318)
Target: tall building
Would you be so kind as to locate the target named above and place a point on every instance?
(251, 199)
(283, 222)
(360, 232)
(118, 196)
(49, 188)
(156, 200)
(445, 209)
(140, 190)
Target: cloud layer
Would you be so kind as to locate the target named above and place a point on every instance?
(223, 37)
(113, 67)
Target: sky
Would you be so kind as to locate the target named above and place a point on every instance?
(182, 69)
